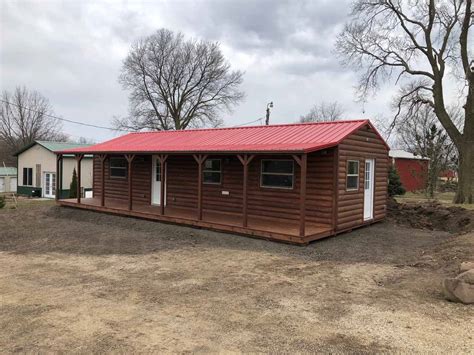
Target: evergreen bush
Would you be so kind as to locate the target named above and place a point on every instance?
(73, 185)
(395, 186)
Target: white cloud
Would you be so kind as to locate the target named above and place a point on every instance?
(72, 52)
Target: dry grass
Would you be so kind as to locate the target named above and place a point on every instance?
(446, 198)
(27, 203)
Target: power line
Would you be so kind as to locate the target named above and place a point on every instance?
(246, 123)
(66, 120)
(101, 127)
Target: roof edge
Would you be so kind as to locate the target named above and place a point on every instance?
(43, 144)
(362, 123)
(25, 148)
(367, 121)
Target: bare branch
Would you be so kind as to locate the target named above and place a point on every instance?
(323, 112)
(177, 83)
(409, 41)
(24, 118)
(420, 133)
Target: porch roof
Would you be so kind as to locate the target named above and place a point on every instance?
(289, 138)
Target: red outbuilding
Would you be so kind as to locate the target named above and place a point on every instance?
(413, 169)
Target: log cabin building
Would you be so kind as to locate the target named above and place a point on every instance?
(294, 183)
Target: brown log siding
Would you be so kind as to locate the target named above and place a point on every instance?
(264, 202)
(282, 204)
(118, 187)
(364, 144)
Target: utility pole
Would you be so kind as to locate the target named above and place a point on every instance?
(269, 106)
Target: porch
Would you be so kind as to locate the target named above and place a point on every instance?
(236, 203)
(257, 226)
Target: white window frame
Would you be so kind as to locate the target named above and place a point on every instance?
(204, 170)
(285, 174)
(352, 175)
(117, 167)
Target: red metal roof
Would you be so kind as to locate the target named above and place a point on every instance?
(295, 138)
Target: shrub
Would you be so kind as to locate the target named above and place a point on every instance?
(73, 185)
(2, 201)
(395, 186)
(448, 186)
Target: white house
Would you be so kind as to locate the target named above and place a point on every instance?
(37, 169)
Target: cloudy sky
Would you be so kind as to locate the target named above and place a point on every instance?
(72, 51)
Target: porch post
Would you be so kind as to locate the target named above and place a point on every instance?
(200, 158)
(130, 158)
(245, 160)
(61, 169)
(335, 193)
(79, 160)
(303, 163)
(102, 158)
(304, 168)
(162, 158)
(58, 177)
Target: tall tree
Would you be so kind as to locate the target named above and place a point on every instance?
(24, 118)
(324, 112)
(418, 42)
(177, 83)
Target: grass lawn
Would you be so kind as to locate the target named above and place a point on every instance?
(446, 198)
(27, 203)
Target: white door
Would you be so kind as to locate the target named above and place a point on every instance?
(49, 185)
(156, 182)
(2, 184)
(369, 189)
(13, 184)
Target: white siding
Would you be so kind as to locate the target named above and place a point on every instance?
(47, 159)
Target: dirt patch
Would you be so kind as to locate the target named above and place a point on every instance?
(81, 281)
(431, 215)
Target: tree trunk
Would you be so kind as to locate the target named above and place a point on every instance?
(465, 192)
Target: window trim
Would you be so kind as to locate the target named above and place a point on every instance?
(120, 167)
(27, 180)
(204, 170)
(351, 175)
(284, 174)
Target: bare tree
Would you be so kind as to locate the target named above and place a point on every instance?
(422, 134)
(418, 42)
(84, 140)
(177, 83)
(24, 118)
(6, 156)
(324, 111)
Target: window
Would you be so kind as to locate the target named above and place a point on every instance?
(27, 176)
(277, 173)
(352, 180)
(367, 176)
(212, 171)
(118, 167)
